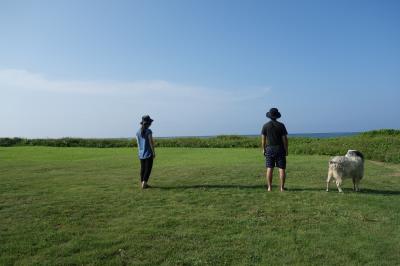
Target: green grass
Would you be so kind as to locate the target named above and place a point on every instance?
(208, 206)
(379, 145)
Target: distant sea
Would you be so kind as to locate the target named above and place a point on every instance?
(307, 135)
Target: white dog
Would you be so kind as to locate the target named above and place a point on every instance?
(349, 166)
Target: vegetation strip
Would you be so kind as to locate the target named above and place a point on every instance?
(378, 145)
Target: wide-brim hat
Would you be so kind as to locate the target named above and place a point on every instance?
(273, 113)
(146, 120)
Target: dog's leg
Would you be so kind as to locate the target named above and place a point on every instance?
(338, 183)
(358, 184)
(328, 180)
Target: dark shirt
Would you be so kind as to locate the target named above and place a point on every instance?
(274, 131)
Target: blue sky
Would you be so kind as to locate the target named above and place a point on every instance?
(93, 68)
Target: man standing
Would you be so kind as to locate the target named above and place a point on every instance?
(275, 147)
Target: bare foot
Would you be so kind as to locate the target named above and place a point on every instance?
(269, 189)
(283, 189)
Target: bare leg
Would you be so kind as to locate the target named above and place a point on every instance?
(270, 172)
(354, 184)
(282, 176)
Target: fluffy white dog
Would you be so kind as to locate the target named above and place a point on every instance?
(349, 166)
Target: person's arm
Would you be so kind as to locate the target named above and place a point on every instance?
(285, 144)
(263, 143)
(152, 145)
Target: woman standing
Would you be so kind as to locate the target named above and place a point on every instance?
(146, 150)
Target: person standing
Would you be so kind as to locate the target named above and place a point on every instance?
(145, 144)
(275, 147)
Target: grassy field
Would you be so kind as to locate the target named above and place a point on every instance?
(207, 206)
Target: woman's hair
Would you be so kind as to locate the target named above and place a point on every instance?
(143, 128)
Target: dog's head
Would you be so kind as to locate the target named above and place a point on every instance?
(355, 153)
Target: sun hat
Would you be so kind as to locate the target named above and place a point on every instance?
(146, 120)
(273, 113)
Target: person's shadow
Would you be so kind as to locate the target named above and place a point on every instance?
(379, 192)
(209, 186)
(227, 186)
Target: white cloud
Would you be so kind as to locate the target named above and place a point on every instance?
(180, 109)
(22, 79)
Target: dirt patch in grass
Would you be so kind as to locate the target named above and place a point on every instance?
(393, 167)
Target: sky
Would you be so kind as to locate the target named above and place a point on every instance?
(93, 68)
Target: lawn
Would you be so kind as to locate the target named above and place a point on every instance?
(207, 206)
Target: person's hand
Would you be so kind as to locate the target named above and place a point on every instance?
(264, 152)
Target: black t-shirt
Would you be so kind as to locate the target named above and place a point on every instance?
(274, 131)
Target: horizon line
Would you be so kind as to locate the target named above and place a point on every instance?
(197, 136)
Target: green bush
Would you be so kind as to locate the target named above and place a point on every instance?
(382, 132)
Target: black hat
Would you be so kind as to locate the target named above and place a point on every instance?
(146, 120)
(273, 113)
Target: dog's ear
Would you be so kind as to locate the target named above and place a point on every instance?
(359, 154)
